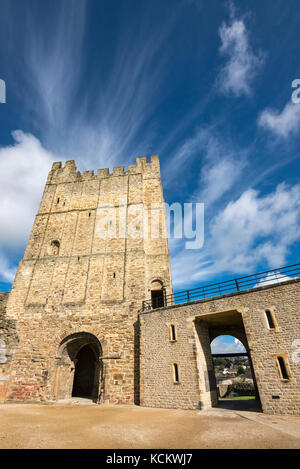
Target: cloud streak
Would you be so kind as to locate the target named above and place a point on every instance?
(99, 128)
(236, 76)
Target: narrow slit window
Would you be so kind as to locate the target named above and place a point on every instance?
(270, 319)
(173, 332)
(282, 367)
(175, 373)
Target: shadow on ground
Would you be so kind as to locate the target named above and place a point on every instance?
(251, 405)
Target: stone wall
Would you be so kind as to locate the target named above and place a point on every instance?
(78, 276)
(8, 341)
(241, 314)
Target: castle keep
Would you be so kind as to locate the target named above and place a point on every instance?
(78, 289)
(74, 325)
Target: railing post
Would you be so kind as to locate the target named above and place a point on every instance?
(237, 284)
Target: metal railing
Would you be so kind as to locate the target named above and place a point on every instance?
(261, 279)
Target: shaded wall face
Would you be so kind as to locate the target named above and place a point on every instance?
(205, 366)
(93, 282)
(8, 342)
(192, 352)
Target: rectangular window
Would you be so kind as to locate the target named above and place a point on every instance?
(270, 319)
(176, 373)
(282, 368)
(173, 332)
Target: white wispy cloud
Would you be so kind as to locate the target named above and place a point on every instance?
(248, 231)
(219, 177)
(77, 115)
(283, 123)
(99, 122)
(24, 167)
(254, 228)
(222, 164)
(95, 120)
(242, 65)
(273, 278)
(190, 149)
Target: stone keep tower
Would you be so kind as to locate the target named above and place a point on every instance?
(89, 263)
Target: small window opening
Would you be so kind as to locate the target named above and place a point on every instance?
(54, 248)
(157, 298)
(89, 214)
(57, 201)
(114, 275)
(176, 373)
(173, 332)
(282, 367)
(270, 319)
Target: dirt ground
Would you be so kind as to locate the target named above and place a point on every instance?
(85, 425)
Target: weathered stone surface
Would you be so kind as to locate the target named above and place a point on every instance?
(8, 340)
(79, 285)
(75, 280)
(198, 323)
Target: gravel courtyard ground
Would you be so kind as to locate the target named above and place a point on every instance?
(79, 424)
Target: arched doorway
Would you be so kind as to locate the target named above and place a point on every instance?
(157, 294)
(235, 380)
(84, 373)
(79, 370)
(209, 327)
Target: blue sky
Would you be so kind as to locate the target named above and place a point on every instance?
(206, 85)
(227, 344)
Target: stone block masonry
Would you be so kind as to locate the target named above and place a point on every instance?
(79, 287)
(8, 340)
(242, 315)
(71, 324)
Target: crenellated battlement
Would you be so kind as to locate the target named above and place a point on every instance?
(68, 172)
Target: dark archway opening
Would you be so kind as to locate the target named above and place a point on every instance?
(84, 375)
(157, 299)
(157, 294)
